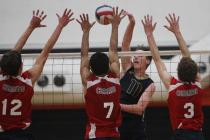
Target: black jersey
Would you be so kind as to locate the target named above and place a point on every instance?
(132, 88)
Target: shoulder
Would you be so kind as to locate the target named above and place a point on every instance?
(174, 81)
(130, 71)
(112, 75)
(91, 77)
(26, 74)
(26, 78)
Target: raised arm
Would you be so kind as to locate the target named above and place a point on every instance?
(84, 64)
(142, 103)
(174, 28)
(37, 68)
(35, 23)
(113, 56)
(149, 27)
(126, 61)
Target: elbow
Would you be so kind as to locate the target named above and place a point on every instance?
(138, 110)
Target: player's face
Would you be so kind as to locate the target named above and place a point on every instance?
(140, 62)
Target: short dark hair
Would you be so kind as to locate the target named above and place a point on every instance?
(10, 63)
(99, 63)
(187, 70)
(141, 47)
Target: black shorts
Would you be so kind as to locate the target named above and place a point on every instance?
(16, 135)
(132, 129)
(108, 138)
(181, 134)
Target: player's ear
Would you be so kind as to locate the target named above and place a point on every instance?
(148, 61)
(21, 68)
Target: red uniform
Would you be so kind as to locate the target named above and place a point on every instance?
(103, 106)
(15, 102)
(185, 105)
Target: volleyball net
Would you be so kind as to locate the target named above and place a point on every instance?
(59, 85)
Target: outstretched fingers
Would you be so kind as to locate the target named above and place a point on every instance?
(85, 23)
(37, 18)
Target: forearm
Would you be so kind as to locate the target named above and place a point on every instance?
(85, 44)
(134, 109)
(182, 45)
(153, 48)
(126, 61)
(128, 37)
(84, 51)
(52, 40)
(21, 42)
(113, 45)
(49, 45)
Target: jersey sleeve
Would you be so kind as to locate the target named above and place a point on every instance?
(26, 74)
(173, 81)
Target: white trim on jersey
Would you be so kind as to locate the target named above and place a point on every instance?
(172, 87)
(26, 81)
(179, 126)
(92, 83)
(27, 125)
(3, 77)
(92, 133)
(198, 84)
(112, 80)
(1, 129)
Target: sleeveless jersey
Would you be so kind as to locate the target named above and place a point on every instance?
(15, 102)
(103, 106)
(185, 106)
(132, 89)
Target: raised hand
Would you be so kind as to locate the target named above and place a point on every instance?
(174, 28)
(37, 18)
(149, 27)
(117, 17)
(84, 22)
(173, 22)
(130, 17)
(66, 18)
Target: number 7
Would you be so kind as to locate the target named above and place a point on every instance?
(109, 105)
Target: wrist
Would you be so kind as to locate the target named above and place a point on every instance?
(60, 26)
(31, 27)
(149, 34)
(132, 22)
(86, 31)
(177, 32)
(115, 26)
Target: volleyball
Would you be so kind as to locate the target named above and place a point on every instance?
(103, 14)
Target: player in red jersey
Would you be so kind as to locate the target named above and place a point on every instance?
(16, 88)
(185, 94)
(100, 80)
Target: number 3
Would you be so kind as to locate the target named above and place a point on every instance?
(190, 109)
(110, 105)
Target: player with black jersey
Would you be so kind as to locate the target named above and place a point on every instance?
(137, 89)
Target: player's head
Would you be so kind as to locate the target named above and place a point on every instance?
(99, 63)
(141, 62)
(187, 70)
(11, 63)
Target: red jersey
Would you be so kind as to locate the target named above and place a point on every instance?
(103, 106)
(185, 105)
(15, 102)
